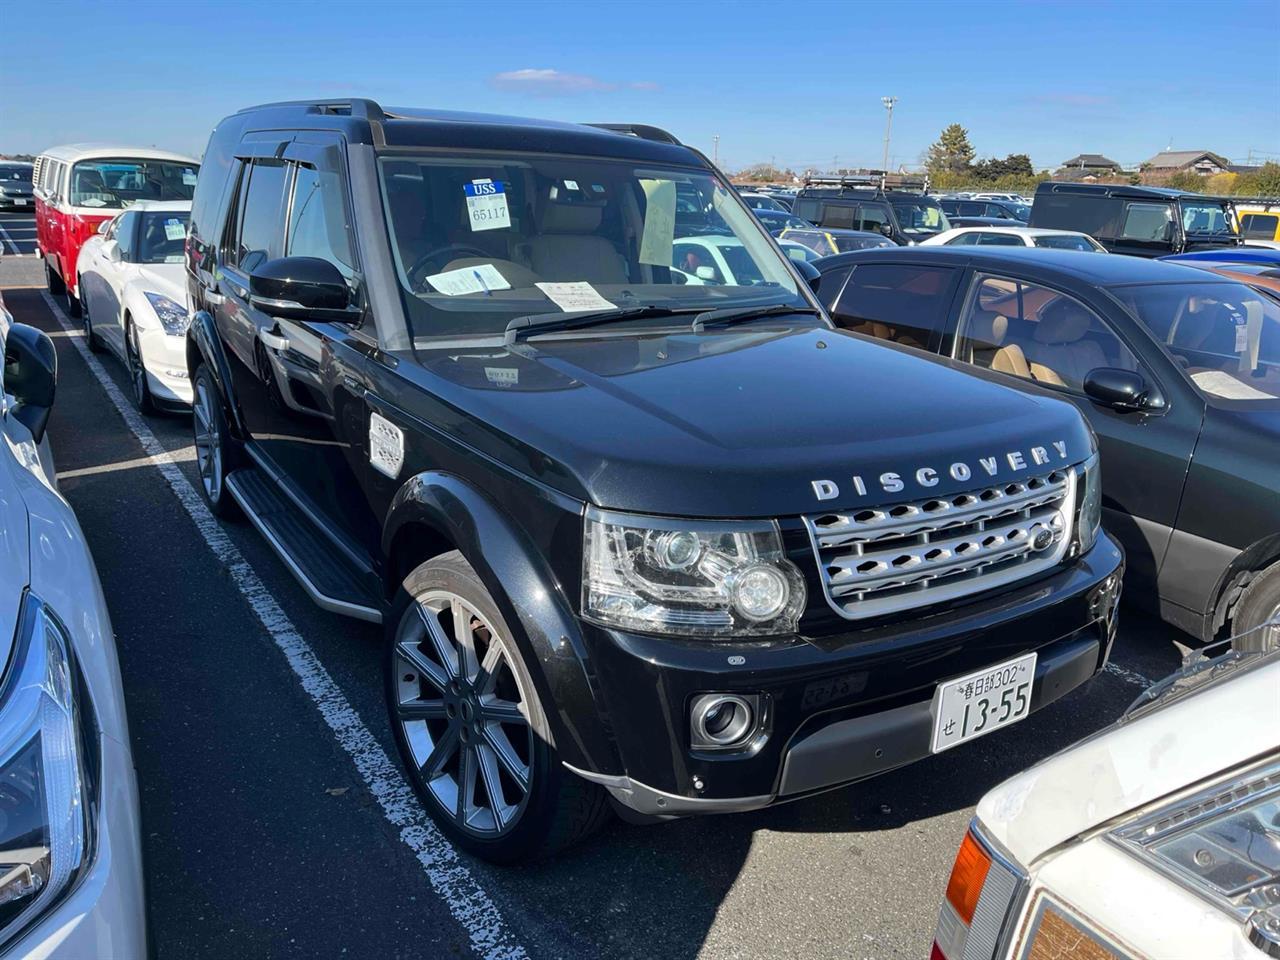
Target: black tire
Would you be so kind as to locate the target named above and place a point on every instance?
(90, 338)
(142, 398)
(558, 809)
(54, 282)
(218, 453)
(1259, 603)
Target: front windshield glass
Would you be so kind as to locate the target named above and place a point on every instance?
(161, 236)
(114, 184)
(1020, 210)
(1205, 218)
(1225, 335)
(920, 218)
(481, 241)
(18, 174)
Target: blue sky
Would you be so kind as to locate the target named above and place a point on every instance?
(800, 82)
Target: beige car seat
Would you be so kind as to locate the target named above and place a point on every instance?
(987, 348)
(1060, 355)
(567, 248)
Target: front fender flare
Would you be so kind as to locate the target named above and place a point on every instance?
(528, 594)
(203, 346)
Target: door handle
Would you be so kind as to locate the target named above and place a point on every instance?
(214, 298)
(273, 340)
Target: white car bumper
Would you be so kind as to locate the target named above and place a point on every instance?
(165, 359)
(105, 914)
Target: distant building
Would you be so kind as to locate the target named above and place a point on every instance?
(1168, 162)
(1091, 163)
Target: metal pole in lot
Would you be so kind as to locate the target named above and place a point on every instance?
(888, 126)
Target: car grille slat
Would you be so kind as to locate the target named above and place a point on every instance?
(879, 560)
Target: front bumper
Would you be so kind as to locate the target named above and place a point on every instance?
(12, 202)
(840, 708)
(164, 357)
(104, 915)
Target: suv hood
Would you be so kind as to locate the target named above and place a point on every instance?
(742, 422)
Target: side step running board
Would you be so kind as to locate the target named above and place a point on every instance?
(327, 577)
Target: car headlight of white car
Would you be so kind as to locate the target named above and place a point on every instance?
(689, 577)
(173, 316)
(46, 798)
(1222, 843)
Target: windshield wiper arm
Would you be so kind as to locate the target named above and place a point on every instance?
(522, 327)
(727, 316)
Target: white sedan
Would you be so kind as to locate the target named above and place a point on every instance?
(132, 285)
(70, 834)
(1015, 237)
(1159, 837)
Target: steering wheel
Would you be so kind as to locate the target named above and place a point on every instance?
(452, 251)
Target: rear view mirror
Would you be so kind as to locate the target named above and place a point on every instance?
(1121, 389)
(301, 288)
(31, 375)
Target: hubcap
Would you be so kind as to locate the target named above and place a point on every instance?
(208, 442)
(464, 713)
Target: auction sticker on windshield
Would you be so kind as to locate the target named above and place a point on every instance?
(969, 707)
(575, 297)
(487, 204)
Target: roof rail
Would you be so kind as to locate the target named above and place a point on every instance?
(358, 107)
(871, 180)
(642, 130)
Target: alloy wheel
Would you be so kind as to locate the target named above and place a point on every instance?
(137, 372)
(464, 713)
(208, 441)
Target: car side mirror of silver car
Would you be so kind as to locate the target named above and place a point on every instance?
(31, 376)
(1121, 389)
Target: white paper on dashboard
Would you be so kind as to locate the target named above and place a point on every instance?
(575, 297)
(478, 279)
(1226, 386)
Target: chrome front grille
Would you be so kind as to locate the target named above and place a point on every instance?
(879, 560)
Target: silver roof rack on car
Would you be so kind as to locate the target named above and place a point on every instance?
(871, 180)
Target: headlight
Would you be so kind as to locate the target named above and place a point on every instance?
(1090, 521)
(44, 792)
(688, 577)
(173, 316)
(1223, 843)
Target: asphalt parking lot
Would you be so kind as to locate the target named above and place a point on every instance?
(274, 825)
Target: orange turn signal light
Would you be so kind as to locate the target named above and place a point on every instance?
(967, 877)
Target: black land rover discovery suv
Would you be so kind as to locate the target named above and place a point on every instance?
(641, 529)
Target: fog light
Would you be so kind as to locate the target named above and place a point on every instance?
(723, 720)
(759, 592)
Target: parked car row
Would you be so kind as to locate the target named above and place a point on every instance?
(657, 515)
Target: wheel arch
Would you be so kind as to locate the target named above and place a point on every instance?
(203, 346)
(1250, 562)
(434, 512)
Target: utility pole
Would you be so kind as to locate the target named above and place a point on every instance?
(888, 127)
(715, 151)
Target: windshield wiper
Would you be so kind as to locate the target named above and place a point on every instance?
(728, 316)
(522, 327)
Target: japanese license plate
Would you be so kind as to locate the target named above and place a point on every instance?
(20, 201)
(969, 707)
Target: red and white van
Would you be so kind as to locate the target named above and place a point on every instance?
(80, 186)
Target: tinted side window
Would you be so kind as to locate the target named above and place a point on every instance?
(999, 240)
(830, 284)
(261, 234)
(1259, 226)
(1146, 221)
(964, 240)
(807, 209)
(900, 302)
(872, 217)
(124, 230)
(839, 216)
(970, 208)
(1037, 333)
(318, 225)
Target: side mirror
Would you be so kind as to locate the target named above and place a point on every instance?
(111, 250)
(301, 288)
(104, 226)
(887, 230)
(810, 273)
(705, 273)
(1121, 389)
(31, 375)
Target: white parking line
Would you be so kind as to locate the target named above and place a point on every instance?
(452, 881)
(5, 234)
(1128, 676)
